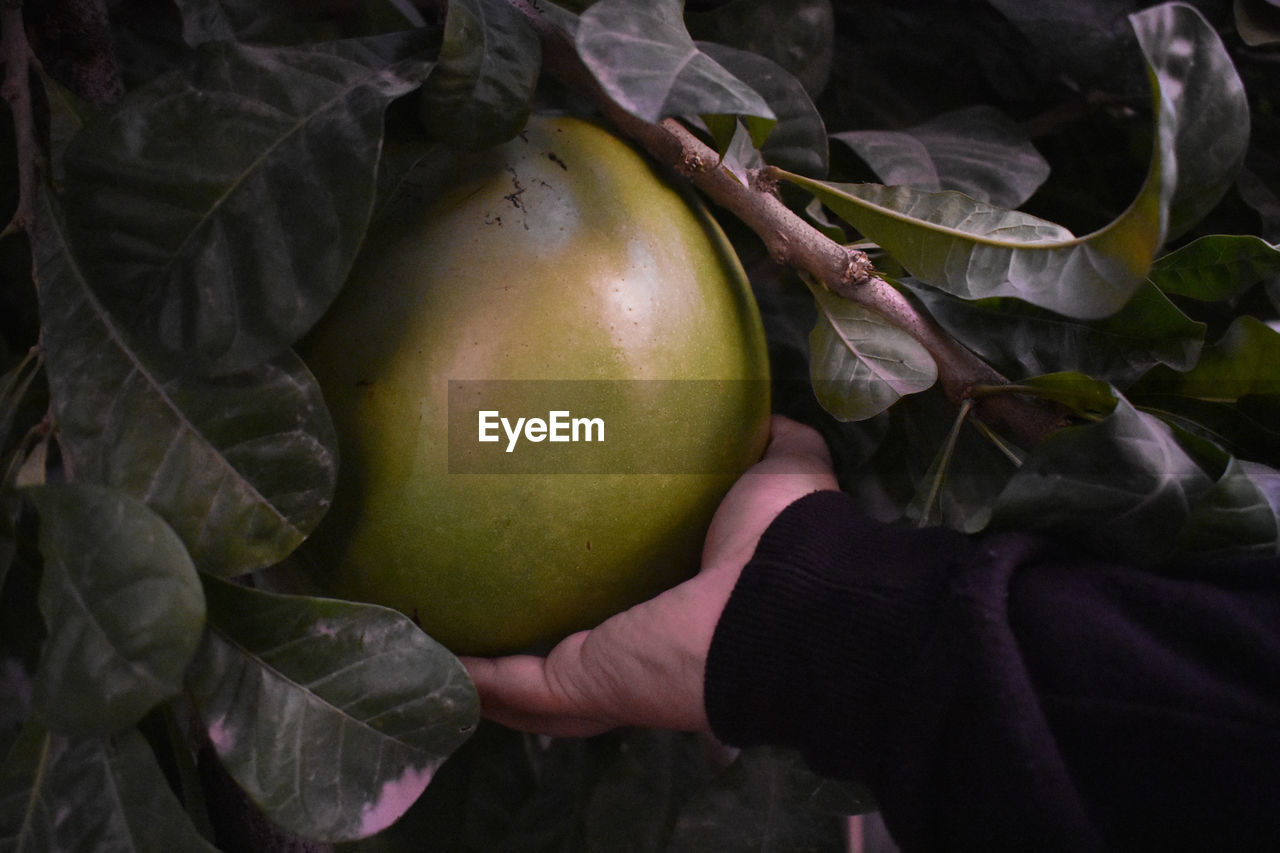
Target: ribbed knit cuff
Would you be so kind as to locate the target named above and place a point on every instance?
(828, 615)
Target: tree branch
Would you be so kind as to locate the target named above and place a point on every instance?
(793, 241)
(16, 90)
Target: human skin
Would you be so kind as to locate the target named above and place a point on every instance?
(645, 666)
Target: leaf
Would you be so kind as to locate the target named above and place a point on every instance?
(331, 715)
(238, 193)
(1217, 267)
(859, 363)
(1025, 341)
(799, 140)
(978, 151)
(242, 467)
(1123, 486)
(1244, 362)
(479, 92)
(1240, 513)
(905, 467)
(1257, 21)
(1084, 395)
(122, 606)
(60, 794)
(290, 22)
(798, 35)
(764, 801)
(1248, 428)
(974, 250)
(645, 60)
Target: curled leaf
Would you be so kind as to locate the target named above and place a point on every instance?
(975, 250)
(479, 92)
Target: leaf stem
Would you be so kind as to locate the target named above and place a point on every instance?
(944, 462)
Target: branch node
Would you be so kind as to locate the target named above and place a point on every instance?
(858, 270)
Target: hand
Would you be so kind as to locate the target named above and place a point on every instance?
(645, 666)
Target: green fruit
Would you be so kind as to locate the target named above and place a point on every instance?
(565, 273)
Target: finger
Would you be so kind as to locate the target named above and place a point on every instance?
(520, 691)
(789, 437)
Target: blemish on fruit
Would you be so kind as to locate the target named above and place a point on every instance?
(554, 158)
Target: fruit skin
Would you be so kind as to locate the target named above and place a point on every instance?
(562, 255)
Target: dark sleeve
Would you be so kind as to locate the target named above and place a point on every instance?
(1001, 693)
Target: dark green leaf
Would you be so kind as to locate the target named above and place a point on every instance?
(61, 794)
(1217, 267)
(238, 193)
(799, 140)
(860, 364)
(974, 250)
(1258, 22)
(291, 22)
(1244, 362)
(242, 467)
(122, 606)
(796, 34)
(916, 467)
(479, 92)
(1077, 38)
(637, 796)
(1026, 341)
(977, 151)
(1123, 485)
(641, 54)
(333, 716)
(1248, 428)
(761, 803)
(1240, 512)
(1084, 395)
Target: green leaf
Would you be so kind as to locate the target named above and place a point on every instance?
(238, 193)
(1240, 513)
(975, 250)
(479, 92)
(978, 151)
(1025, 341)
(60, 794)
(1084, 395)
(291, 22)
(242, 467)
(1244, 362)
(1216, 267)
(798, 35)
(1248, 428)
(764, 802)
(122, 606)
(333, 716)
(799, 140)
(1124, 486)
(1258, 22)
(645, 60)
(859, 363)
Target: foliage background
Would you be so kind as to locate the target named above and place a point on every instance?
(207, 171)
